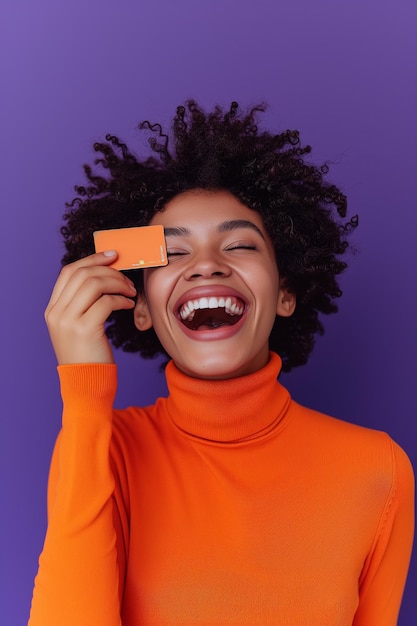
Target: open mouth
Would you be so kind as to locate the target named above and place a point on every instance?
(210, 313)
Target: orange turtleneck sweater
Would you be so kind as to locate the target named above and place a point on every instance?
(225, 503)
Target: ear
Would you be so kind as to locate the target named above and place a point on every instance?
(141, 313)
(286, 302)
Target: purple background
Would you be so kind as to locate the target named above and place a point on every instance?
(341, 72)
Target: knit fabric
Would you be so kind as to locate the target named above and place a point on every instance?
(226, 503)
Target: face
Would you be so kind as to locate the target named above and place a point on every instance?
(213, 306)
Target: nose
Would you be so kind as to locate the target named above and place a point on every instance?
(207, 264)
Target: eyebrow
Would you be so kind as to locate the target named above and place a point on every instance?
(237, 224)
(224, 227)
(179, 231)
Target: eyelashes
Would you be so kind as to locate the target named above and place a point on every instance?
(175, 253)
(240, 246)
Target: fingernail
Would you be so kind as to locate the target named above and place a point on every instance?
(109, 252)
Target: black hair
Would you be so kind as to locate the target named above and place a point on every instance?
(269, 173)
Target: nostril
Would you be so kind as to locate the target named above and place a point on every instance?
(207, 269)
(200, 275)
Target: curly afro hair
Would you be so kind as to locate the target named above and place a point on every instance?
(267, 172)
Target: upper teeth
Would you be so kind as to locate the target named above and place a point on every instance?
(231, 305)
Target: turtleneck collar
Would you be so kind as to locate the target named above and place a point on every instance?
(235, 410)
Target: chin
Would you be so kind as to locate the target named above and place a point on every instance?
(222, 367)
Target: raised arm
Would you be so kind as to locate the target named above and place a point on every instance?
(84, 295)
(79, 569)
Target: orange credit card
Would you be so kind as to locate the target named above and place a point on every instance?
(137, 247)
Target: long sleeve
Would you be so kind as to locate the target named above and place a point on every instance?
(385, 571)
(227, 514)
(78, 577)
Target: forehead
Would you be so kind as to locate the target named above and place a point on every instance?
(205, 209)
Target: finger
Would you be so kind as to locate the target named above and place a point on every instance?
(88, 284)
(103, 307)
(98, 259)
(69, 309)
(91, 283)
(91, 324)
(84, 340)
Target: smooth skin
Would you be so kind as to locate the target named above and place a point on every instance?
(216, 246)
(209, 257)
(84, 295)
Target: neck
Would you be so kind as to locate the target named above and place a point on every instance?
(228, 411)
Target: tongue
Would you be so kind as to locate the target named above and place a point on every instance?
(210, 320)
(211, 326)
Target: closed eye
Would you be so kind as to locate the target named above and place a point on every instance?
(241, 246)
(171, 253)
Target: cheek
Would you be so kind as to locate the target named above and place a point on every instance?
(157, 284)
(152, 283)
(267, 278)
(150, 289)
(268, 285)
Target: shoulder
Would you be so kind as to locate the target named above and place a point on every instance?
(139, 432)
(345, 434)
(354, 451)
(133, 423)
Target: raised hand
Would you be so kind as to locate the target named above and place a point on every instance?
(84, 295)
